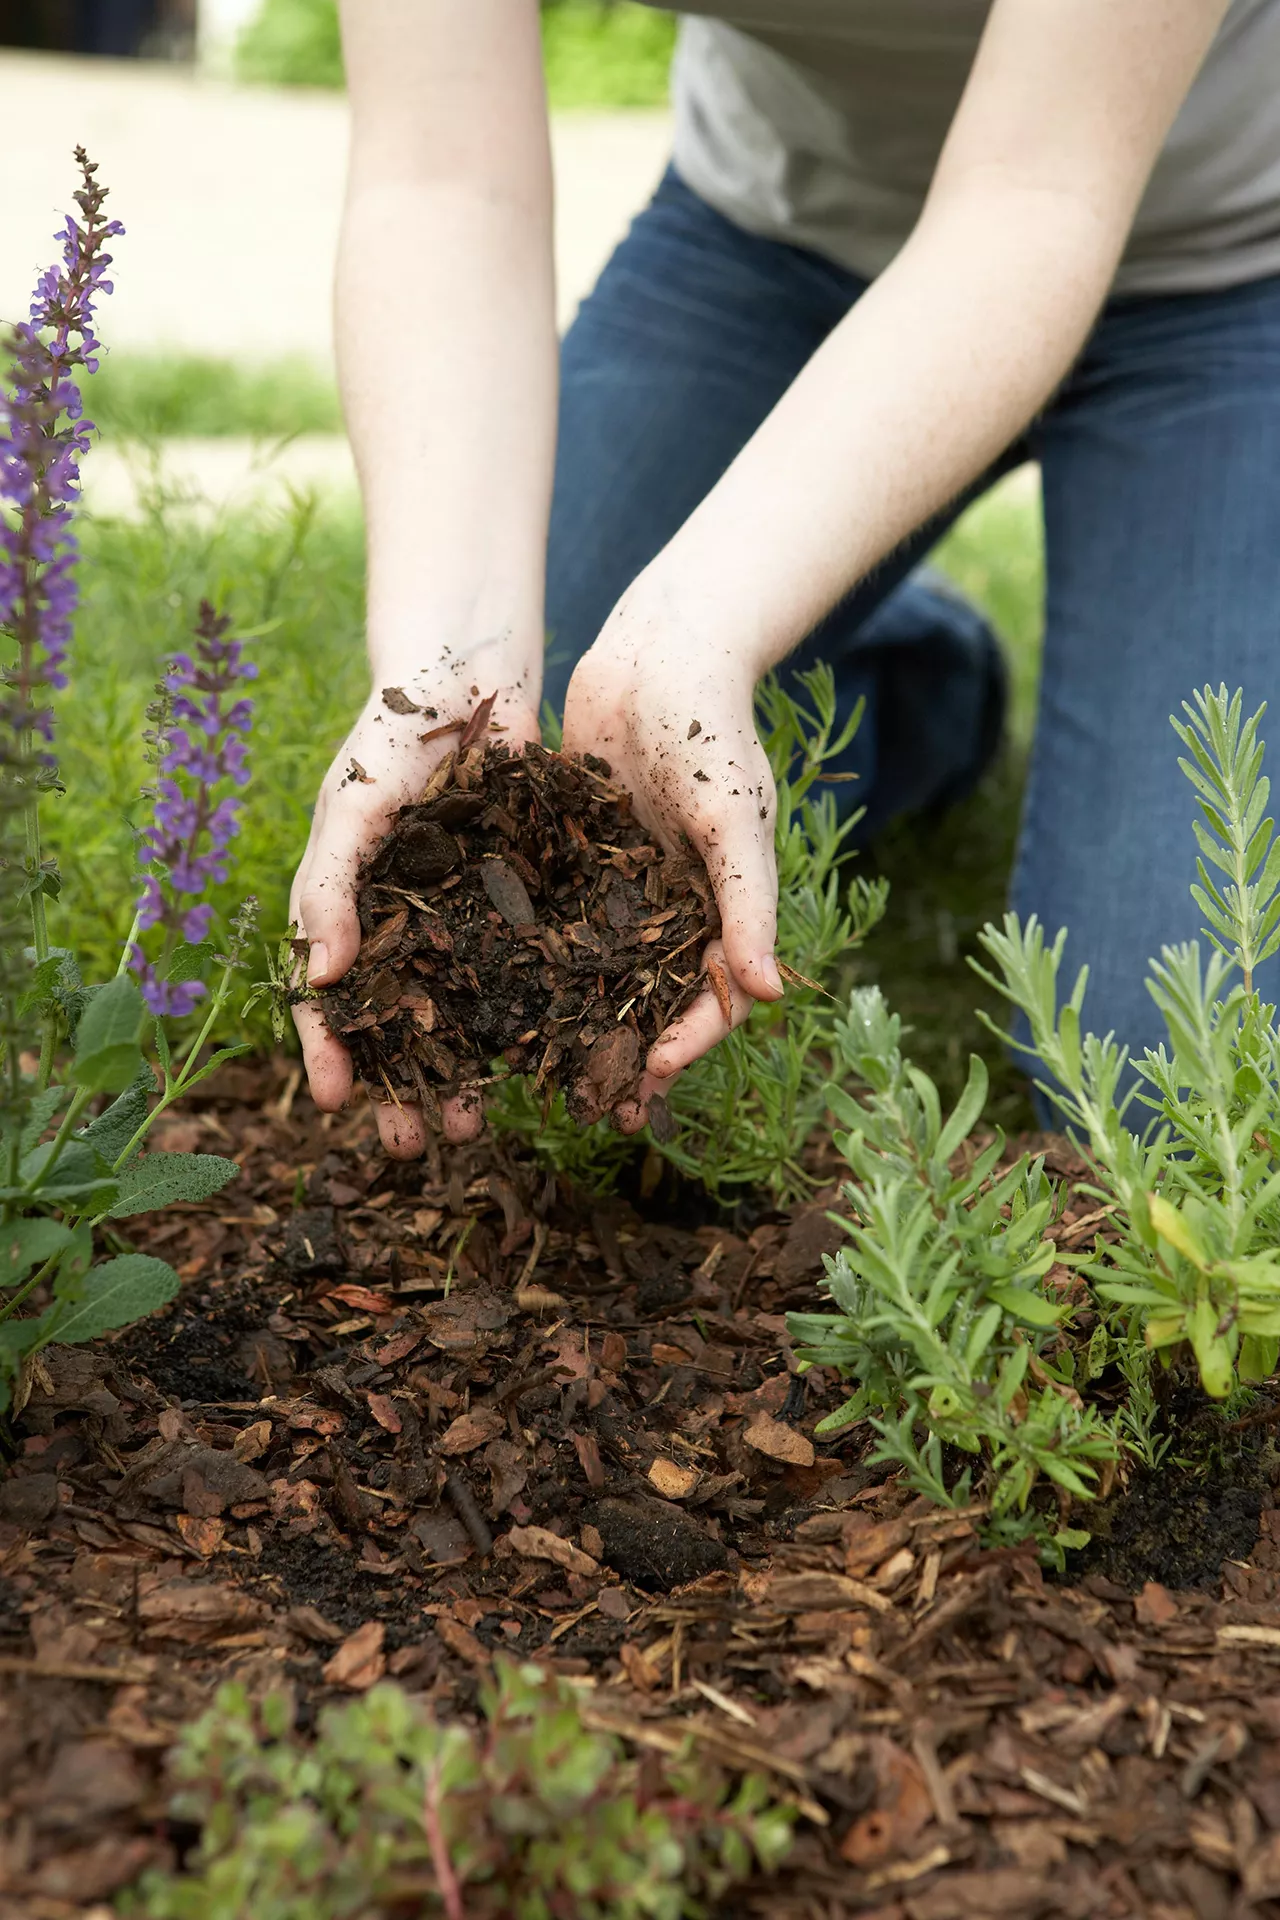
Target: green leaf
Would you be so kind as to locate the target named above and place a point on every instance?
(968, 1110)
(25, 1244)
(1031, 1308)
(189, 960)
(40, 1112)
(158, 1179)
(114, 1294)
(1175, 1231)
(112, 1131)
(108, 1057)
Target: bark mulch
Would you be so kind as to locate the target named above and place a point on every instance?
(403, 1419)
(520, 911)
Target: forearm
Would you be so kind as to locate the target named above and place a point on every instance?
(935, 370)
(446, 328)
(449, 390)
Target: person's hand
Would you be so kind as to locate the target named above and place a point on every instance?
(672, 715)
(383, 764)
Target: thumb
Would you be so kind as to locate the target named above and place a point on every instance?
(326, 903)
(739, 855)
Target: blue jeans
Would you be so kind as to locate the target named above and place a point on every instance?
(1160, 461)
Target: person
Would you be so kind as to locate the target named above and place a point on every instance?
(903, 246)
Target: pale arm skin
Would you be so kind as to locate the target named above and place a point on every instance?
(937, 368)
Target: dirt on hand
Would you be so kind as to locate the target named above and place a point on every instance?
(519, 914)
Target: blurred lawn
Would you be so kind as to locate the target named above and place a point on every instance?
(298, 571)
(597, 55)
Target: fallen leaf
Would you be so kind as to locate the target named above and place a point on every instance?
(587, 1448)
(193, 1611)
(360, 1661)
(383, 1411)
(779, 1441)
(310, 1624)
(673, 1482)
(252, 1442)
(1155, 1606)
(461, 1641)
(539, 1543)
(472, 1430)
(366, 1299)
(203, 1536)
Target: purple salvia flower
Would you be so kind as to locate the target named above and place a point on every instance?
(43, 435)
(192, 824)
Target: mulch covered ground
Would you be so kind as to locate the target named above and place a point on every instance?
(405, 1418)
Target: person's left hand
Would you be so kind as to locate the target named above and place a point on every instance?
(672, 715)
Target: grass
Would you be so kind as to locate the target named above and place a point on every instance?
(298, 572)
(152, 396)
(295, 572)
(597, 55)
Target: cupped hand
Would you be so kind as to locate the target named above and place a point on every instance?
(383, 764)
(673, 716)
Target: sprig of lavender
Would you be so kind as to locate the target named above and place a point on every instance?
(199, 741)
(43, 435)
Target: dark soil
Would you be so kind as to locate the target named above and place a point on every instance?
(484, 1416)
(520, 914)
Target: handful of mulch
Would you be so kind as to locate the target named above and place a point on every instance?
(520, 912)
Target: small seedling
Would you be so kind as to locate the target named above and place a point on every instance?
(533, 1814)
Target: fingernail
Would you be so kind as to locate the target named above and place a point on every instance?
(769, 973)
(317, 961)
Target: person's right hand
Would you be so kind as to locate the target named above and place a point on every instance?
(382, 765)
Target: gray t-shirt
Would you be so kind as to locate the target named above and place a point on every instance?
(820, 122)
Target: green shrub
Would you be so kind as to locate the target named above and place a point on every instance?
(943, 1321)
(152, 396)
(599, 53)
(387, 1810)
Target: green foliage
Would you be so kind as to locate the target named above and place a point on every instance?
(608, 54)
(292, 43)
(154, 396)
(744, 1112)
(387, 1810)
(942, 1322)
(598, 53)
(948, 876)
(1198, 1191)
(295, 577)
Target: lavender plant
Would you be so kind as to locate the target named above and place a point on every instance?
(64, 1169)
(943, 1321)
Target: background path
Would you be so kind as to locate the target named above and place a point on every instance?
(231, 196)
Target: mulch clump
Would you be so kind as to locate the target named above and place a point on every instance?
(519, 913)
(406, 1418)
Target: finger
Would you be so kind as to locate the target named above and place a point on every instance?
(326, 903)
(738, 850)
(402, 1130)
(463, 1118)
(327, 1061)
(701, 1027)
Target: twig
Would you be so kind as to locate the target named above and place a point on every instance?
(469, 1513)
(73, 1670)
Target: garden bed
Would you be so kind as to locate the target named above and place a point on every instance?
(403, 1419)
